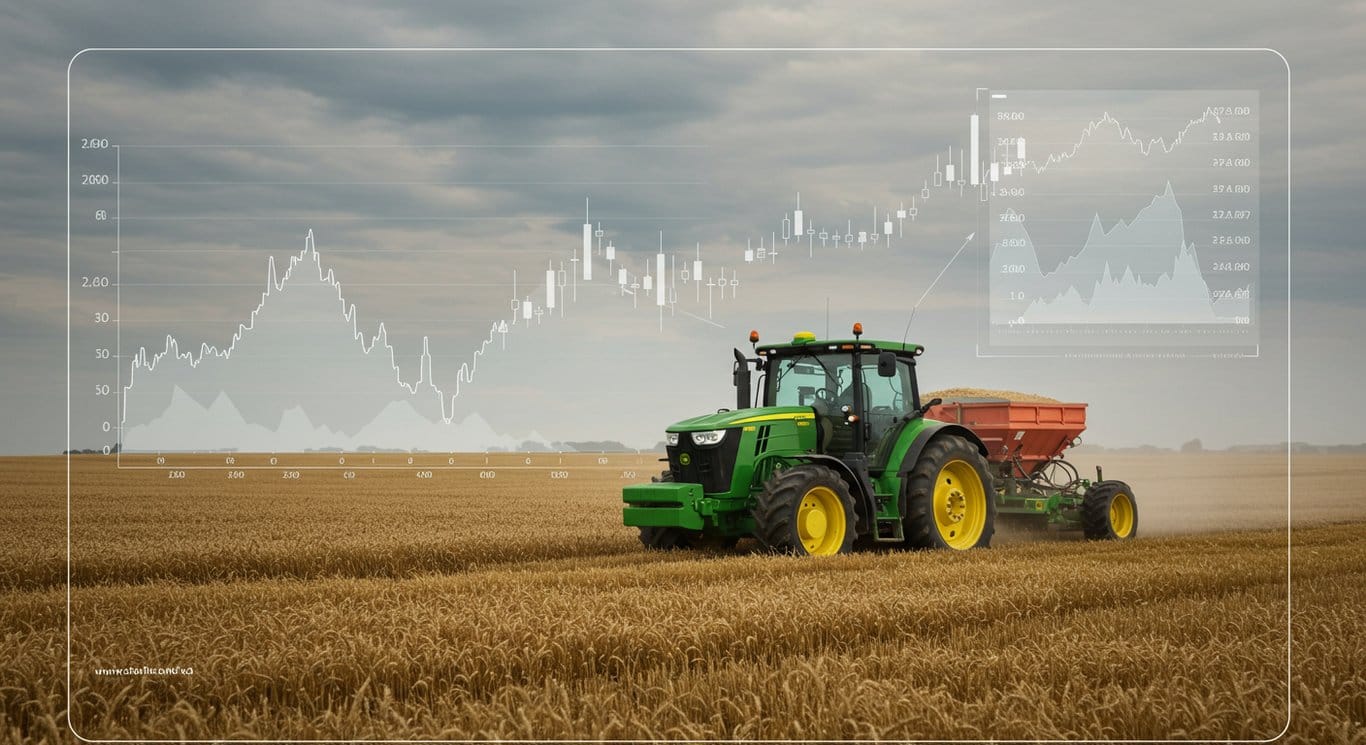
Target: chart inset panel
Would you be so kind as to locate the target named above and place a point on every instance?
(1121, 221)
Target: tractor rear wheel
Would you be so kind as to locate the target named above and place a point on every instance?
(950, 502)
(1109, 511)
(806, 510)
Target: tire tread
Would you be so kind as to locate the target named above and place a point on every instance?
(1095, 510)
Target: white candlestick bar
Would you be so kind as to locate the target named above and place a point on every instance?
(587, 251)
(974, 164)
(659, 272)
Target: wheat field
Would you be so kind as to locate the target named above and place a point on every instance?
(396, 605)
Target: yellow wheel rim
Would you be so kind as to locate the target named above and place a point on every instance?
(821, 522)
(1122, 515)
(960, 505)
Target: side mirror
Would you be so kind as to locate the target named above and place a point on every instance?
(886, 364)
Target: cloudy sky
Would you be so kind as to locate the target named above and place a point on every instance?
(731, 137)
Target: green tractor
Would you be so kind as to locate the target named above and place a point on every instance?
(835, 450)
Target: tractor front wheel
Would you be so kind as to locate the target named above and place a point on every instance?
(1109, 511)
(806, 510)
(669, 539)
(950, 502)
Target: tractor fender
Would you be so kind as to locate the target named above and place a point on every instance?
(864, 506)
(929, 433)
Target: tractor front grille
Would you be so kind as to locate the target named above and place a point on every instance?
(710, 466)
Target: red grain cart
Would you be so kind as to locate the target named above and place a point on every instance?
(1030, 434)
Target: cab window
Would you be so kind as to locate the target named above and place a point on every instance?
(888, 394)
(886, 400)
(817, 380)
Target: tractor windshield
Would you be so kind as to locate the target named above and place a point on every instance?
(824, 381)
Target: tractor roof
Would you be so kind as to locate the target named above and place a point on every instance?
(808, 343)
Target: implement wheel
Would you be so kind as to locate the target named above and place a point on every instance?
(805, 510)
(950, 502)
(1109, 512)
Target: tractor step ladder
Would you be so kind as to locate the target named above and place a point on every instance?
(897, 530)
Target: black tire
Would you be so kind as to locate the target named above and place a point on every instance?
(780, 502)
(921, 528)
(718, 543)
(1096, 521)
(669, 539)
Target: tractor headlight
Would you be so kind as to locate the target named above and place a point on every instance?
(711, 437)
(671, 439)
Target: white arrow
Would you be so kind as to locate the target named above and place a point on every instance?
(926, 294)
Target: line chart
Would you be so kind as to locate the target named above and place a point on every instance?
(433, 279)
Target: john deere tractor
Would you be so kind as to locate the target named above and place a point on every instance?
(834, 449)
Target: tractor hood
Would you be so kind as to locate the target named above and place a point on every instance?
(725, 419)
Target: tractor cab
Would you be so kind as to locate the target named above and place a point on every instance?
(861, 392)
